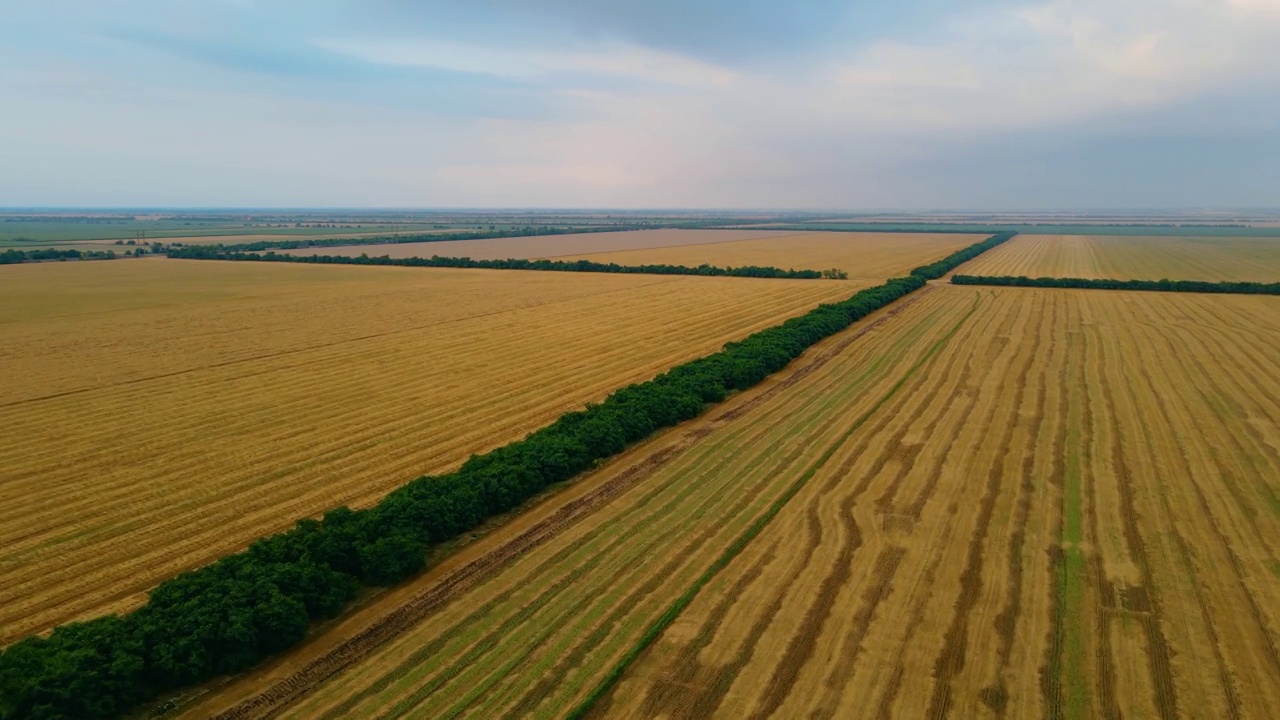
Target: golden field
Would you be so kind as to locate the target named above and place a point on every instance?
(872, 256)
(1134, 258)
(161, 413)
(542, 246)
(989, 503)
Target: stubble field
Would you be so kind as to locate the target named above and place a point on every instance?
(1000, 503)
(861, 255)
(1134, 258)
(1071, 513)
(542, 246)
(162, 413)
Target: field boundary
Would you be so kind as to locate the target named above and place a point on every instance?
(436, 261)
(1186, 286)
(1119, 230)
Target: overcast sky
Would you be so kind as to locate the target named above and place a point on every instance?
(656, 103)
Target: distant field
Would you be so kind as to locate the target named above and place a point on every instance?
(116, 245)
(1016, 503)
(862, 255)
(545, 246)
(47, 233)
(1134, 258)
(1258, 229)
(162, 413)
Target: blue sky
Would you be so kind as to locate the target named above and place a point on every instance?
(571, 103)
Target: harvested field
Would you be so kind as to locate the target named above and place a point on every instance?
(871, 256)
(536, 637)
(162, 413)
(1134, 258)
(543, 246)
(1070, 513)
(1007, 503)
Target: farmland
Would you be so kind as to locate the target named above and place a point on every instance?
(551, 246)
(1135, 258)
(1064, 516)
(50, 227)
(171, 411)
(1012, 503)
(862, 255)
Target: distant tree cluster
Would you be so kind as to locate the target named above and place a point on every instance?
(1191, 286)
(12, 257)
(755, 271)
(225, 617)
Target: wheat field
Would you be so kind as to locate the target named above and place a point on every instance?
(984, 503)
(869, 256)
(1134, 258)
(162, 413)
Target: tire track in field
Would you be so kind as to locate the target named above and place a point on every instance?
(802, 645)
(888, 560)
(1105, 702)
(996, 696)
(951, 660)
(918, 596)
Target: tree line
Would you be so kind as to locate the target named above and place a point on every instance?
(526, 231)
(935, 270)
(755, 271)
(225, 617)
(1191, 286)
(13, 257)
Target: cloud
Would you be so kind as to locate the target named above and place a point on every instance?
(584, 108)
(615, 60)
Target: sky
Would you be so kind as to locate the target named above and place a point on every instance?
(804, 104)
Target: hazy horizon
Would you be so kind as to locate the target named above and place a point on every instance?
(997, 106)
